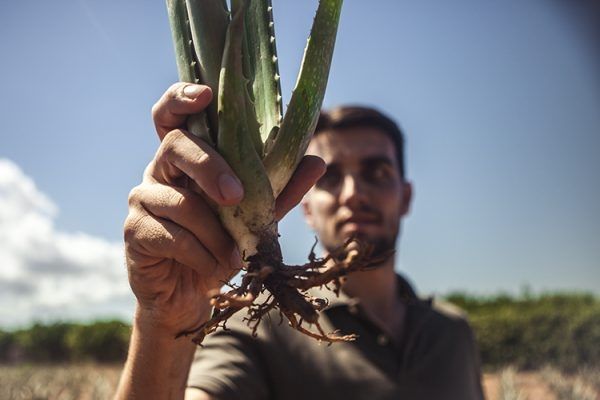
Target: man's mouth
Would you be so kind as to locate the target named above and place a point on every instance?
(357, 224)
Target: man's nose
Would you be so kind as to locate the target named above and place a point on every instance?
(352, 191)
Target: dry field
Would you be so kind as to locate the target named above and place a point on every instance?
(546, 384)
(58, 382)
(97, 382)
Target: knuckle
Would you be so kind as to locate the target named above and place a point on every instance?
(156, 111)
(177, 199)
(134, 197)
(169, 145)
(184, 242)
(161, 107)
(175, 95)
(203, 159)
(172, 138)
(174, 90)
(131, 226)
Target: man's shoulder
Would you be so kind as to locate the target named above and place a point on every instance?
(447, 309)
(439, 336)
(440, 346)
(439, 317)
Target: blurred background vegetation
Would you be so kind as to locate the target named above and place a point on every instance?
(530, 332)
(524, 331)
(101, 341)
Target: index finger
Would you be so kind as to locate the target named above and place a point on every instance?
(308, 172)
(182, 155)
(179, 102)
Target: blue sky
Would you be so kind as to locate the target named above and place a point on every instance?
(499, 100)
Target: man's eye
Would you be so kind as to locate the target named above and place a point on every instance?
(330, 179)
(378, 174)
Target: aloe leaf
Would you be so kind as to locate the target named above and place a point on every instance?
(298, 124)
(187, 66)
(249, 69)
(178, 19)
(208, 21)
(252, 221)
(264, 67)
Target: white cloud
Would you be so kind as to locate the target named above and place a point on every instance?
(46, 274)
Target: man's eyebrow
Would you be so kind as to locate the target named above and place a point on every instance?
(376, 160)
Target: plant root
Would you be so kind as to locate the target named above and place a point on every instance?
(288, 286)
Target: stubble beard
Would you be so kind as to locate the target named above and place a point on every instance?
(380, 247)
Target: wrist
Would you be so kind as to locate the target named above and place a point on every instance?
(157, 363)
(151, 340)
(152, 322)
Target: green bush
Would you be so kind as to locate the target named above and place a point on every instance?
(44, 343)
(101, 341)
(525, 331)
(530, 332)
(7, 340)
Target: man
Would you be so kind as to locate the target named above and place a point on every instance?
(177, 251)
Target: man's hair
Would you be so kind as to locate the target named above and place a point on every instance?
(346, 117)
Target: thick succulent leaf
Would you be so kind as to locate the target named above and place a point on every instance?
(187, 65)
(253, 218)
(298, 125)
(208, 21)
(181, 40)
(249, 68)
(263, 67)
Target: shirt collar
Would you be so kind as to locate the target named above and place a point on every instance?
(405, 292)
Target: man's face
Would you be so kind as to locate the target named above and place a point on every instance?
(362, 194)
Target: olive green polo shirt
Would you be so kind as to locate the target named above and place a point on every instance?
(434, 358)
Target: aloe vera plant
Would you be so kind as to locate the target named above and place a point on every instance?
(235, 54)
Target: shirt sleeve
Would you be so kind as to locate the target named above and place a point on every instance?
(473, 360)
(445, 355)
(461, 339)
(229, 365)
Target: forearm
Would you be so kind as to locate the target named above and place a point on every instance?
(157, 364)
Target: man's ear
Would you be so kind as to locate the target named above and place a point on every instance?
(308, 216)
(407, 196)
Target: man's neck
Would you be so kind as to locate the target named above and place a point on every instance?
(377, 290)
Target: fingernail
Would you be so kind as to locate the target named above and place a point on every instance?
(230, 187)
(236, 259)
(193, 91)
